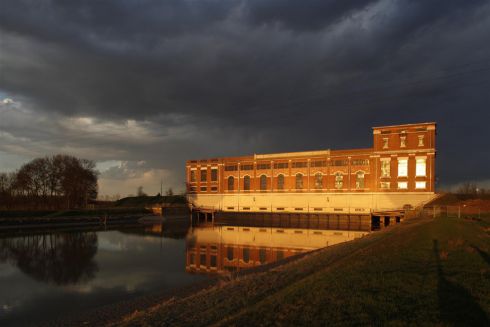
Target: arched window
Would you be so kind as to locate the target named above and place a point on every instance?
(280, 182)
(359, 180)
(318, 181)
(299, 181)
(231, 183)
(263, 183)
(339, 180)
(246, 183)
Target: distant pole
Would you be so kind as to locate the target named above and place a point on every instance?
(161, 186)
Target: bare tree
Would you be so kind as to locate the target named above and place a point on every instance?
(57, 182)
(467, 188)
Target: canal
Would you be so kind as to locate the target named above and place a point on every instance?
(49, 274)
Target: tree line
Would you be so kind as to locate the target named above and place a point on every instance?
(56, 182)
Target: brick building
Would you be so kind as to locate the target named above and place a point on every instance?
(397, 171)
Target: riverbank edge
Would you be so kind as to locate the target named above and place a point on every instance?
(122, 311)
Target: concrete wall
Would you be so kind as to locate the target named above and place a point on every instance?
(340, 203)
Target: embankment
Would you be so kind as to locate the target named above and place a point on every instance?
(430, 271)
(37, 219)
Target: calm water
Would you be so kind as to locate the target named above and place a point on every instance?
(43, 274)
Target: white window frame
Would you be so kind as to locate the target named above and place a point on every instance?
(400, 160)
(402, 185)
(363, 174)
(195, 175)
(418, 172)
(339, 180)
(403, 141)
(387, 184)
(386, 142)
(200, 175)
(388, 161)
(217, 174)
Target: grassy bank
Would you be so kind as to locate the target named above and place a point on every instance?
(424, 271)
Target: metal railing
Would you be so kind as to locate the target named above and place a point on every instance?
(456, 211)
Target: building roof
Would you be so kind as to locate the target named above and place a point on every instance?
(405, 125)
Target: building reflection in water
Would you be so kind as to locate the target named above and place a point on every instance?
(215, 248)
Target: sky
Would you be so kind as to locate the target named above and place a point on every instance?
(141, 86)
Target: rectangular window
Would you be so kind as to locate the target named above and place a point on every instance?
(202, 260)
(402, 185)
(214, 189)
(263, 166)
(359, 180)
(204, 188)
(281, 165)
(214, 175)
(385, 167)
(247, 167)
(231, 168)
(402, 167)
(192, 259)
(420, 185)
(385, 143)
(193, 176)
(403, 141)
(339, 163)
(302, 164)
(420, 167)
(319, 163)
(385, 185)
(204, 175)
(360, 162)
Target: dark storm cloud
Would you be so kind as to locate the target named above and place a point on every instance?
(239, 76)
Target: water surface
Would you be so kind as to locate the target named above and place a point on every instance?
(45, 274)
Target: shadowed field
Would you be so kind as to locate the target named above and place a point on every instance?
(424, 271)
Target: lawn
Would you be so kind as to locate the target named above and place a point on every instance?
(425, 271)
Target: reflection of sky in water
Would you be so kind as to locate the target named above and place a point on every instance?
(124, 264)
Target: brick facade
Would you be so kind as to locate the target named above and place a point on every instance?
(402, 159)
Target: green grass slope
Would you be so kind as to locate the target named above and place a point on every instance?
(430, 272)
